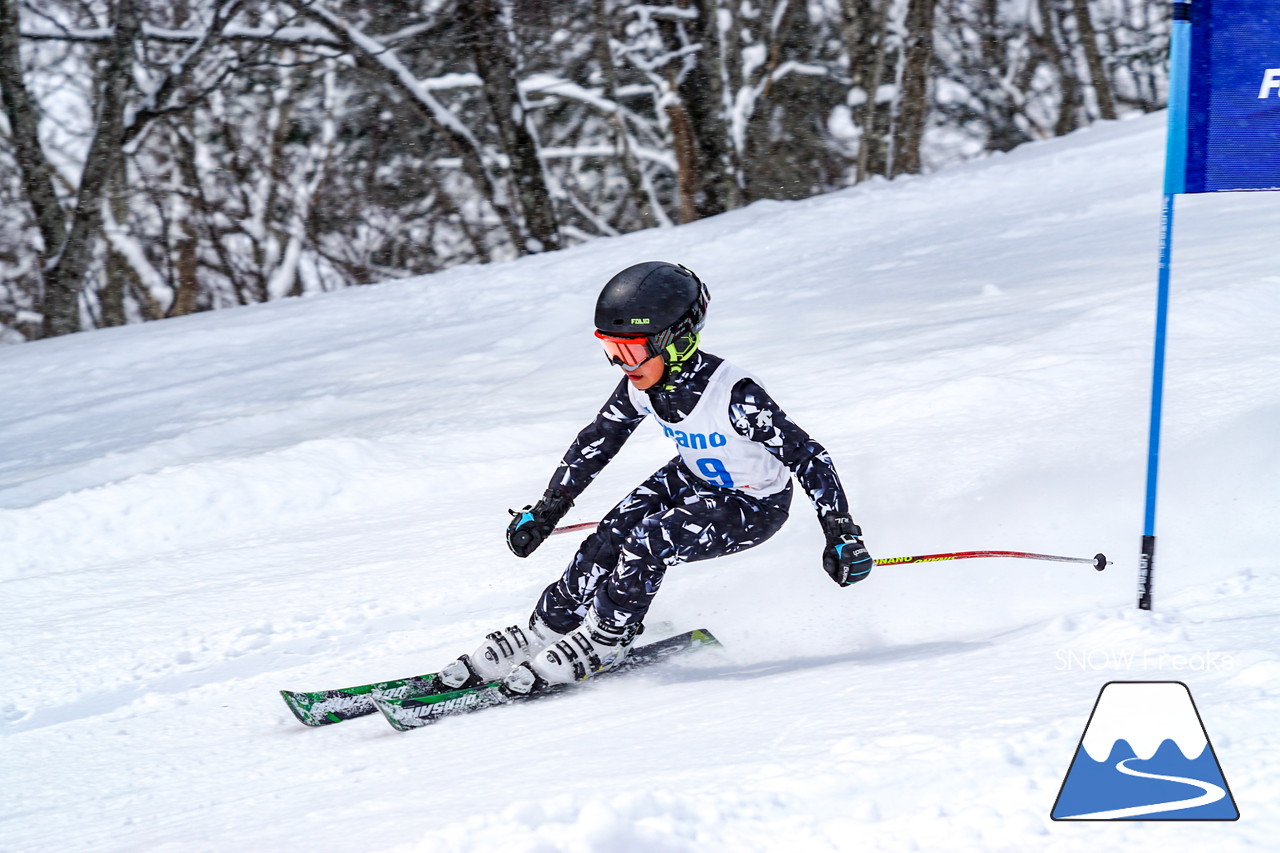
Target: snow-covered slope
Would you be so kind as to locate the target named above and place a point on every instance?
(196, 513)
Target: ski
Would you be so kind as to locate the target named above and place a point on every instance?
(326, 707)
(405, 711)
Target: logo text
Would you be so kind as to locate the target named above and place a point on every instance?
(695, 440)
(1270, 82)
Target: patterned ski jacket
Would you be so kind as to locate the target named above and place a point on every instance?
(752, 412)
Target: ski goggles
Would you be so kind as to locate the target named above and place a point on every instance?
(627, 353)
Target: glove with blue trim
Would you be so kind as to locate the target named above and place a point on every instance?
(533, 524)
(845, 558)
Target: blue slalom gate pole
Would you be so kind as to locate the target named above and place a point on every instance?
(1147, 559)
(1174, 182)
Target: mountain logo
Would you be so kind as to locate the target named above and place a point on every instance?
(1144, 755)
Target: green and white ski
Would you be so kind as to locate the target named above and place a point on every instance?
(406, 711)
(326, 707)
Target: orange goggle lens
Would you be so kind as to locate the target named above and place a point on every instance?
(628, 353)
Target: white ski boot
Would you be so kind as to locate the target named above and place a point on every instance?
(496, 656)
(597, 645)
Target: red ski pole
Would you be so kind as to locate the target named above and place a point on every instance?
(570, 528)
(1098, 561)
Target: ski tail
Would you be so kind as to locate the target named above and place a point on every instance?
(326, 707)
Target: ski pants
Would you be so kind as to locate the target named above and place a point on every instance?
(671, 518)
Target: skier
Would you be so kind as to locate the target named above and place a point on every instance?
(727, 489)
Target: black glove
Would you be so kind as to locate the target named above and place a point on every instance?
(534, 523)
(845, 558)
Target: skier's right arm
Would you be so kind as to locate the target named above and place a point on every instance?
(595, 445)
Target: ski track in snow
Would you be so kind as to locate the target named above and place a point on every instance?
(312, 493)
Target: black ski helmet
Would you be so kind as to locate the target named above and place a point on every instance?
(660, 301)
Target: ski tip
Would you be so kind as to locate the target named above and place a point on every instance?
(1100, 561)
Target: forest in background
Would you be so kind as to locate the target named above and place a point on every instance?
(161, 158)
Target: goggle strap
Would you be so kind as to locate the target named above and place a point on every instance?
(677, 356)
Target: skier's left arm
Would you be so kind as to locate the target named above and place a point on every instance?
(756, 416)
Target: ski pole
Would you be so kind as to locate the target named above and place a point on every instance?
(1098, 561)
(570, 528)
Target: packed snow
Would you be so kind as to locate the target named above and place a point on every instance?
(312, 493)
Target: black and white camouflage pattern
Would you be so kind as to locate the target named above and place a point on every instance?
(675, 516)
(756, 416)
(752, 411)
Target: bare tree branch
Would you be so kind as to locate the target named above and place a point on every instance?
(379, 59)
(156, 103)
(292, 36)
